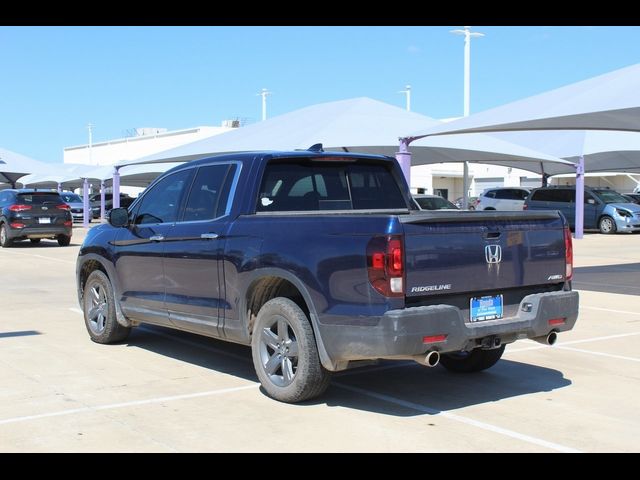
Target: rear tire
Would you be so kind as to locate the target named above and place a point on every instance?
(99, 308)
(35, 240)
(5, 241)
(64, 240)
(285, 354)
(469, 362)
(607, 225)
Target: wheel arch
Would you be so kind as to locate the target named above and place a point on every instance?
(269, 283)
(91, 262)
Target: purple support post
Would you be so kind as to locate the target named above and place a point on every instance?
(59, 187)
(579, 199)
(85, 203)
(116, 188)
(404, 159)
(102, 187)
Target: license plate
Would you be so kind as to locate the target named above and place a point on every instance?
(44, 220)
(485, 308)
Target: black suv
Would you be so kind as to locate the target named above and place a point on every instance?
(94, 200)
(34, 215)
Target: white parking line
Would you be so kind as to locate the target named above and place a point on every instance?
(461, 419)
(573, 342)
(13, 252)
(135, 403)
(599, 284)
(601, 354)
(626, 312)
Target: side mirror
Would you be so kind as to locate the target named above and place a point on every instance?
(119, 217)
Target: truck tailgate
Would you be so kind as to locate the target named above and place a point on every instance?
(457, 252)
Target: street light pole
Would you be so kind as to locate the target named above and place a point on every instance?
(264, 94)
(407, 92)
(467, 98)
(90, 128)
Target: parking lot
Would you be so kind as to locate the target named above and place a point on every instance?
(166, 391)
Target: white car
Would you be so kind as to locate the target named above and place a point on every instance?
(502, 198)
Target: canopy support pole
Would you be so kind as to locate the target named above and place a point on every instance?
(403, 156)
(116, 188)
(102, 188)
(465, 185)
(85, 203)
(579, 225)
(59, 187)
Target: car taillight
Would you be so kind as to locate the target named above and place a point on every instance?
(385, 265)
(68, 223)
(525, 206)
(19, 208)
(568, 253)
(63, 206)
(17, 225)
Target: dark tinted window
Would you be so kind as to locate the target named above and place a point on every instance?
(162, 203)
(208, 198)
(324, 185)
(38, 198)
(490, 194)
(511, 194)
(554, 195)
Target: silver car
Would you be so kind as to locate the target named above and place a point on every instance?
(75, 203)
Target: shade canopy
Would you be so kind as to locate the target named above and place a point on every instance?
(362, 125)
(71, 176)
(603, 151)
(606, 102)
(14, 165)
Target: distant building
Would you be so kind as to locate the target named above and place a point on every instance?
(143, 142)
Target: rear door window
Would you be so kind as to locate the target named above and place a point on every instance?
(327, 185)
(209, 193)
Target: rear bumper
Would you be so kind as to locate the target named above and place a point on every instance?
(39, 232)
(400, 333)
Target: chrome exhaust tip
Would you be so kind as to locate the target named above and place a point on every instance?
(549, 339)
(432, 359)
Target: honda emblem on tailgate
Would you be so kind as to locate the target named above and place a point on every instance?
(493, 253)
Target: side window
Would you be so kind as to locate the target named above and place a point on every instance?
(490, 194)
(208, 197)
(521, 194)
(162, 203)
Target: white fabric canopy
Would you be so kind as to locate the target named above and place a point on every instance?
(362, 125)
(603, 151)
(606, 102)
(14, 165)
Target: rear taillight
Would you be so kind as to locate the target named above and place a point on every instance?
(568, 253)
(19, 208)
(17, 225)
(68, 223)
(63, 206)
(385, 265)
(525, 206)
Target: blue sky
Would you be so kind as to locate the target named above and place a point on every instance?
(55, 80)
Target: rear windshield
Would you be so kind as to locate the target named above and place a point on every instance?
(71, 198)
(325, 185)
(434, 203)
(38, 198)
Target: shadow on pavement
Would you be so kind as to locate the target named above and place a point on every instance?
(619, 278)
(415, 390)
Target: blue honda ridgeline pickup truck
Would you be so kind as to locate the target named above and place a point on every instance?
(322, 262)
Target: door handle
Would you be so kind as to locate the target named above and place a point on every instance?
(156, 238)
(209, 236)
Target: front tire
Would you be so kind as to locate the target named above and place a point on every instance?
(99, 308)
(5, 241)
(285, 354)
(607, 225)
(473, 361)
